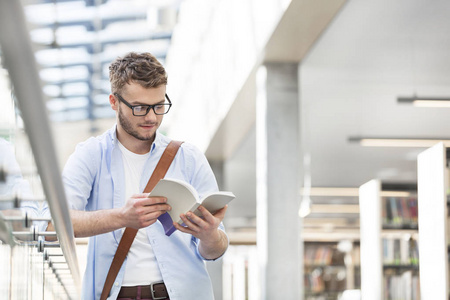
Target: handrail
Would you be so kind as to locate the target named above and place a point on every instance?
(6, 232)
(20, 61)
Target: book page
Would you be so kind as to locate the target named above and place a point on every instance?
(215, 201)
(180, 196)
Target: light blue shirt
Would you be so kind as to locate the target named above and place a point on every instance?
(94, 180)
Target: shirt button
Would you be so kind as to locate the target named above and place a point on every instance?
(116, 284)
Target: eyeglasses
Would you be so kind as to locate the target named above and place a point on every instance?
(142, 110)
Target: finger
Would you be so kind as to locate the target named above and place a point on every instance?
(145, 201)
(141, 195)
(206, 214)
(148, 219)
(182, 228)
(199, 221)
(221, 212)
(212, 218)
(156, 208)
(189, 222)
(153, 215)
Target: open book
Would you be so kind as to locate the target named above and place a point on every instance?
(182, 197)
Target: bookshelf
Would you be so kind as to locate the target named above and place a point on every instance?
(389, 242)
(433, 186)
(330, 269)
(241, 273)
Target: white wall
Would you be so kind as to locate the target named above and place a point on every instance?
(214, 47)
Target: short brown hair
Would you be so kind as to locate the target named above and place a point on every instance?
(142, 68)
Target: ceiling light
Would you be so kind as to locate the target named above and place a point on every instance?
(426, 101)
(332, 191)
(335, 208)
(348, 192)
(399, 142)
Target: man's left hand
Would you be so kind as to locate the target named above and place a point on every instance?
(213, 242)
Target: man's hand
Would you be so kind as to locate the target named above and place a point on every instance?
(141, 211)
(213, 242)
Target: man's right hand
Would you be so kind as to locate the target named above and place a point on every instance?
(141, 211)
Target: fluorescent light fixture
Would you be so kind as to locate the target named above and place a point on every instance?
(426, 101)
(335, 208)
(331, 191)
(348, 192)
(399, 142)
(336, 222)
(431, 103)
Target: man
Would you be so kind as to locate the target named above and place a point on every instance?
(104, 180)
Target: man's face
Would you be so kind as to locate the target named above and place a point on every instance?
(140, 127)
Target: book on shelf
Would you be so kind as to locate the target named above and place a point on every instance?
(322, 255)
(402, 286)
(183, 198)
(356, 255)
(326, 270)
(412, 205)
(395, 212)
(400, 252)
(399, 212)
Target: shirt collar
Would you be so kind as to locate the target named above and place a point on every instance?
(156, 142)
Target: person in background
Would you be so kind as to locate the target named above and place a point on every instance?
(13, 185)
(104, 179)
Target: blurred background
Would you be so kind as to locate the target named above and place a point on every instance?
(296, 104)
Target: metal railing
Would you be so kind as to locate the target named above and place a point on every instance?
(18, 57)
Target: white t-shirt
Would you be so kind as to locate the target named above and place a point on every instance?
(141, 267)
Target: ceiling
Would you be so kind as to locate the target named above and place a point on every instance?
(76, 40)
(372, 53)
(361, 56)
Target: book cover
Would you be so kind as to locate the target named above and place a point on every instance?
(387, 206)
(394, 210)
(406, 212)
(412, 203)
(182, 197)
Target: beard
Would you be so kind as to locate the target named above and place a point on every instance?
(128, 128)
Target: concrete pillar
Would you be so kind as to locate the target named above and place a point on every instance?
(215, 272)
(278, 166)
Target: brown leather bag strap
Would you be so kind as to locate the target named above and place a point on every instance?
(130, 233)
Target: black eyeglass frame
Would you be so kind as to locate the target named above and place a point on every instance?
(148, 106)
